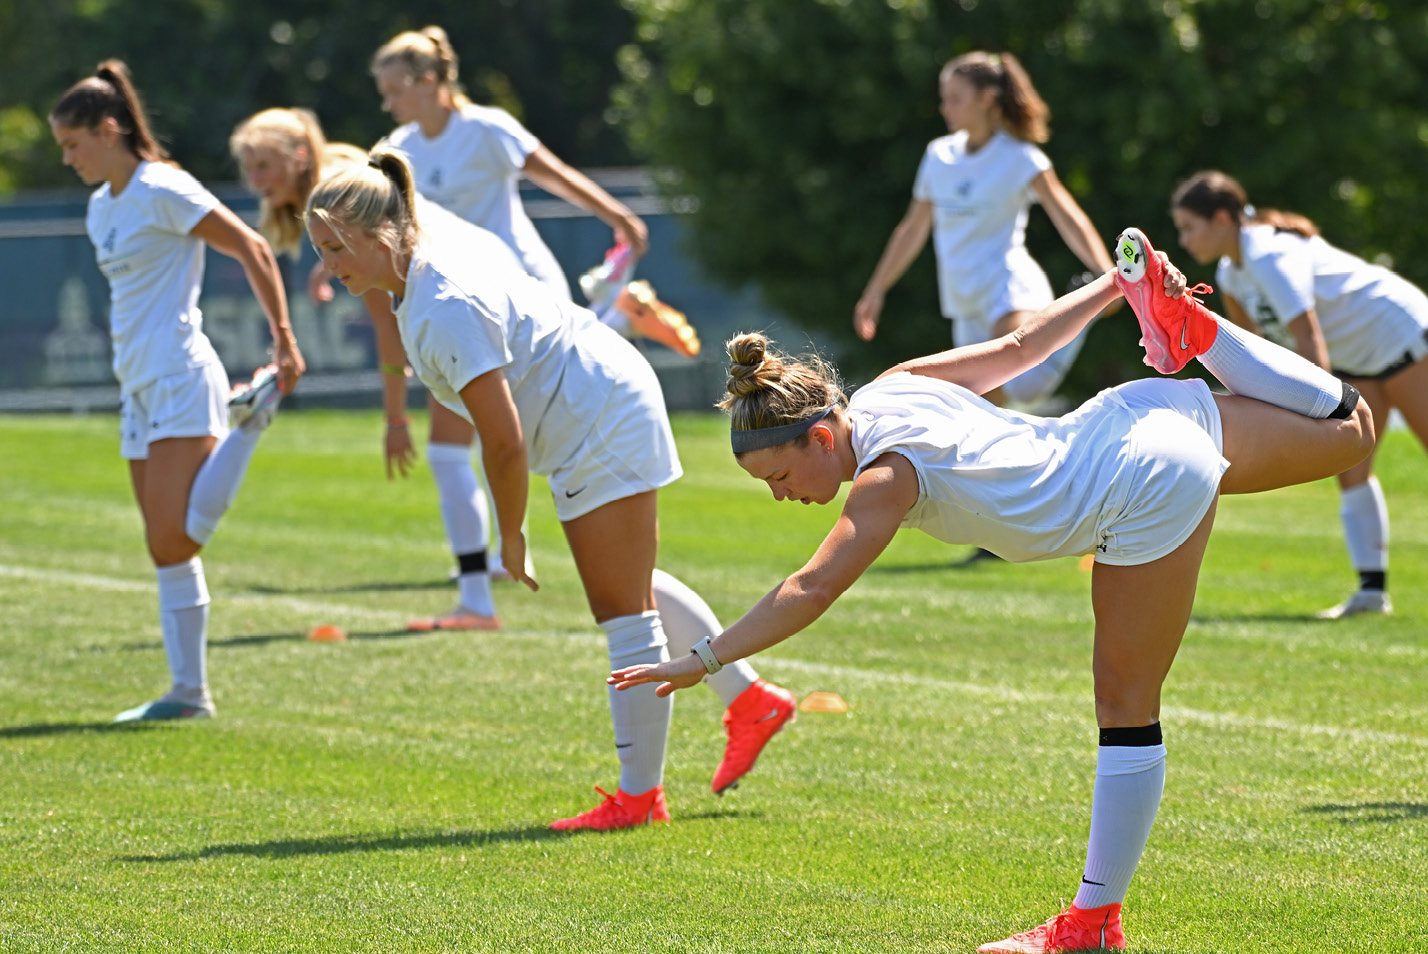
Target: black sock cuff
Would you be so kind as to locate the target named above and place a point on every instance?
(1373, 579)
(1137, 736)
(474, 562)
(1347, 402)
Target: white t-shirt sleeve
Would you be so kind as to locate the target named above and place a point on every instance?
(1286, 276)
(461, 342)
(508, 143)
(179, 202)
(921, 186)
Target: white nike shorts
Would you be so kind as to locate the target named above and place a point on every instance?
(629, 450)
(1177, 450)
(192, 403)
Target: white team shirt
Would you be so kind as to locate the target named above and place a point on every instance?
(1024, 487)
(155, 269)
(979, 209)
(468, 310)
(1369, 316)
(473, 168)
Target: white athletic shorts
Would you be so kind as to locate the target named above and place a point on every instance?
(975, 307)
(1177, 446)
(192, 403)
(628, 450)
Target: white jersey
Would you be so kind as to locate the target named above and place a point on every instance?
(1368, 315)
(473, 168)
(143, 245)
(467, 311)
(979, 212)
(1034, 488)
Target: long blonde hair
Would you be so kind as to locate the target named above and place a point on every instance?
(768, 389)
(378, 197)
(290, 133)
(422, 52)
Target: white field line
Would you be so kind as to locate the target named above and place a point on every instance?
(344, 611)
(336, 612)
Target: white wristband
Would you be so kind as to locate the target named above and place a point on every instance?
(706, 656)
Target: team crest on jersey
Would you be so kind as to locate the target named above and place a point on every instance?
(110, 241)
(964, 189)
(436, 178)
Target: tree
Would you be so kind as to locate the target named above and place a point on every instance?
(203, 66)
(797, 125)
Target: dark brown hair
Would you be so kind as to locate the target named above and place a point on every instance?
(1210, 191)
(1024, 113)
(110, 94)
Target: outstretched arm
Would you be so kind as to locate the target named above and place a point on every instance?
(553, 175)
(903, 246)
(223, 230)
(880, 498)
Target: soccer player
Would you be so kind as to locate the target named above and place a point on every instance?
(972, 193)
(1367, 324)
(149, 221)
(1132, 476)
(469, 160)
(552, 391)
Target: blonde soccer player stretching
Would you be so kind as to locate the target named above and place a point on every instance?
(149, 222)
(1132, 476)
(552, 391)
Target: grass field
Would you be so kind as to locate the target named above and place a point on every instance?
(391, 793)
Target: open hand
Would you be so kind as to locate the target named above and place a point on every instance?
(678, 673)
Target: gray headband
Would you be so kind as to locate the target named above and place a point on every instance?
(760, 438)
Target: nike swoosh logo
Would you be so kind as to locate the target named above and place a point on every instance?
(625, 746)
(773, 714)
(1183, 328)
(572, 493)
(1089, 881)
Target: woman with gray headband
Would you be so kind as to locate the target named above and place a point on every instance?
(1132, 476)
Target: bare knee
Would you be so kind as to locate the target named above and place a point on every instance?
(1120, 703)
(169, 545)
(1360, 433)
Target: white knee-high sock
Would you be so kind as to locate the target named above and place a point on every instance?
(641, 718)
(1365, 517)
(465, 516)
(688, 619)
(217, 482)
(1129, 783)
(1039, 382)
(183, 617)
(1258, 368)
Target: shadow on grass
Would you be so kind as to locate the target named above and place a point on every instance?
(345, 844)
(42, 729)
(1365, 813)
(382, 586)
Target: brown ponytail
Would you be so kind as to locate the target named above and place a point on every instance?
(110, 94)
(1023, 112)
(1210, 191)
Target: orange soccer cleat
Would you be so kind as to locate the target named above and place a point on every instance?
(653, 319)
(1173, 330)
(1094, 929)
(621, 810)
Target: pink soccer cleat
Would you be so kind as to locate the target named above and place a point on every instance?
(1094, 929)
(621, 810)
(1173, 330)
(751, 720)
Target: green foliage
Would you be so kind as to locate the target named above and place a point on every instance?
(390, 794)
(204, 65)
(797, 126)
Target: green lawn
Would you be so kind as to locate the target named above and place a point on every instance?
(391, 793)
